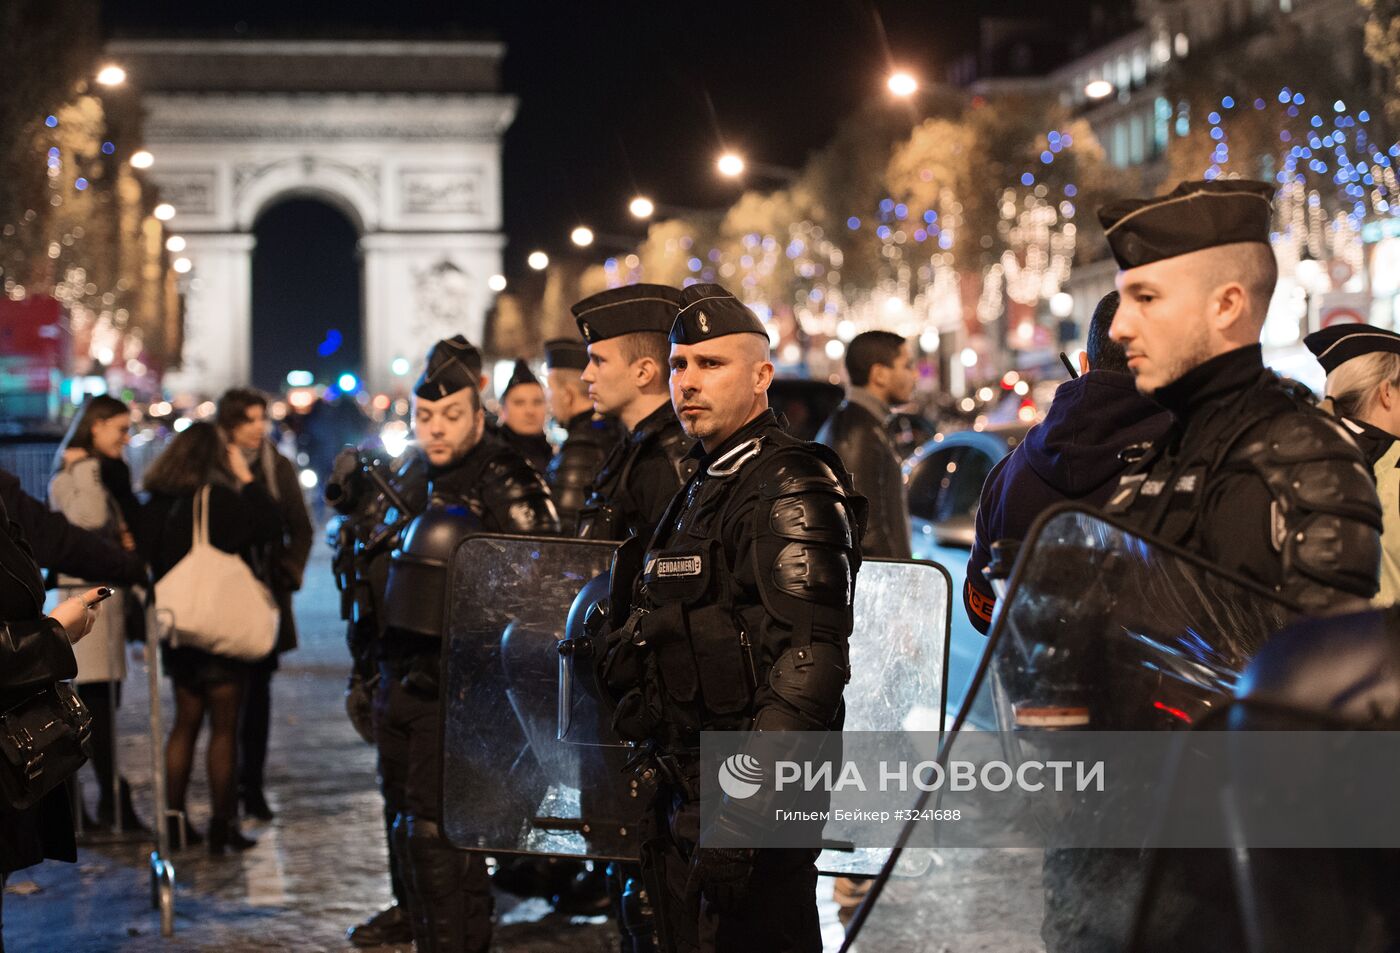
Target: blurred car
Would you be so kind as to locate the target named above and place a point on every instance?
(944, 478)
(806, 403)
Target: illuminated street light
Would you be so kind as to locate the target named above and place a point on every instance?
(496, 282)
(111, 75)
(642, 207)
(164, 211)
(175, 243)
(730, 165)
(1098, 89)
(538, 260)
(582, 236)
(141, 159)
(1062, 304)
(182, 265)
(902, 84)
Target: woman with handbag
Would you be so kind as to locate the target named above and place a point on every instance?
(204, 505)
(36, 653)
(91, 487)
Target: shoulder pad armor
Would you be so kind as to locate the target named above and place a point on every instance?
(514, 497)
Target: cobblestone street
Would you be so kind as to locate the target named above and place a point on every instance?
(318, 867)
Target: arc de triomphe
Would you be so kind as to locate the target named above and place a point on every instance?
(403, 136)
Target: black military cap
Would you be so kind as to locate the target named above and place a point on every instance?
(521, 374)
(565, 352)
(627, 310)
(1338, 344)
(453, 363)
(708, 311)
(1195, 215)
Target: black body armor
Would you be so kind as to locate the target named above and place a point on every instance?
(577, 464)
(741, 614)
(1258, 480)
(638, 479)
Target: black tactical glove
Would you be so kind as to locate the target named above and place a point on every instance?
(721, 874)
(359, 705)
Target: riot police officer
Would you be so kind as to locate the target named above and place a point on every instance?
(739, 621)
(626, 332)
(476, 484)
(1251, 475)
(590, 435)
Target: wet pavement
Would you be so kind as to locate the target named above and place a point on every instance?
(317, 868)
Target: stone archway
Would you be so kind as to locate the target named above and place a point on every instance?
(404, 137)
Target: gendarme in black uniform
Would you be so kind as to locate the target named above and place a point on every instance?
(590, 438)
(1251, 475)
(740, 621)
(643, 471)
(491, 488)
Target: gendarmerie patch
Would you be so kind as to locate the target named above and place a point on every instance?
(675, 567)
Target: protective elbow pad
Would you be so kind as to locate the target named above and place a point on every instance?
(810, 679)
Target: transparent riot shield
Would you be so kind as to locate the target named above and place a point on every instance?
(1102, 630)
(530, 764)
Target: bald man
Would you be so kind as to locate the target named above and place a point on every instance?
(1251, 476)
(740, 621)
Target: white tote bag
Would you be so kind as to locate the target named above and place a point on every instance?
(217, 603)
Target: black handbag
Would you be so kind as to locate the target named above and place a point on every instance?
(44, 740)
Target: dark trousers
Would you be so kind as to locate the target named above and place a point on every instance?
(779, 913)
(97, 696)
(254, 725)
(448, 890)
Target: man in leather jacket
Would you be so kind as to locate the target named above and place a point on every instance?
(1251, 475)
(626, 332)
(739, 621)
(881, 374)
(484, 485)
(590, 435)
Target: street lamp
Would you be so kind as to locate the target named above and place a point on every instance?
(730, 165)
(902, 84)
(175, 243)
(642, 207)
(582, 236)
(538, 260)
(496, 283)
(141, 159)
(1098, 89)
(111, 75)
(182, 265)
(1061, 305)
(164, 211)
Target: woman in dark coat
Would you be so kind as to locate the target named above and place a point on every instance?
(35, 651)
(242, 519)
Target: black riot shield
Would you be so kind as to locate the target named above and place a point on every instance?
(530, 764)
(1101, 630)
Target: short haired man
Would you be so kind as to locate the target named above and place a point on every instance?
(469, 472)
(590, 435)
(524, 413)
(1074, 454)
(745, 604)
(242, 415)
(882, 373)
(1251, 476)
(1363, 391)
(625, 329)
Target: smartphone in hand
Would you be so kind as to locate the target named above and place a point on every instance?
(100, 594)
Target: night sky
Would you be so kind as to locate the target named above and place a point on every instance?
(616, 98)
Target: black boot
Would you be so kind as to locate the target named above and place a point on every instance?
(454, 890)
(175, 825)
(255, 805)
(398, 845)
(388, 927)
(224, 834)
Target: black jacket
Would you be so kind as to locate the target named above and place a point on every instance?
(61, 547)
(863, 444)
(240, 521)
(500, 487)
(638, 479)
(1256, 479)
(284, 560)
(1073, 454)
(577, 463)
(34, 652)
(534, 447)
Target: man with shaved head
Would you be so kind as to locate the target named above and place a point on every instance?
(739, 622)
(1251, 475)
